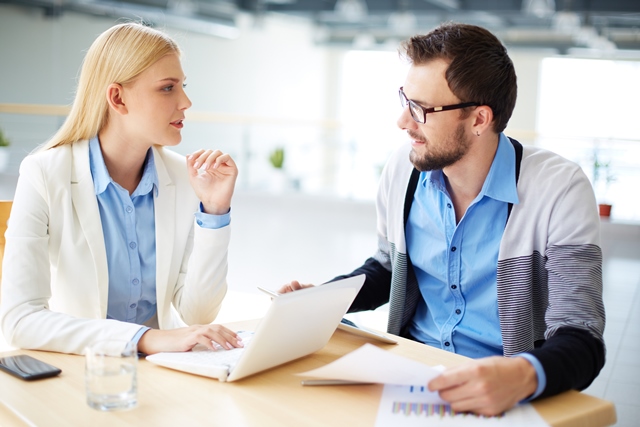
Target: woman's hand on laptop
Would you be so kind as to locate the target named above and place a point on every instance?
(293, 286)
(184, 339)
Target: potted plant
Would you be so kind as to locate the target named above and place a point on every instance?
(602, 179)
(279, 179)
(276, 158)
(4, 151)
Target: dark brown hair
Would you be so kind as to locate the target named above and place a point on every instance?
(480, 69)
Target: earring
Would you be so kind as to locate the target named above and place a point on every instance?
(477, 133)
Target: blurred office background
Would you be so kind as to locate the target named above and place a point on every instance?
(317, 80)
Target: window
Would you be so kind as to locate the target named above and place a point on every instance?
(588, 111)
(369, 108)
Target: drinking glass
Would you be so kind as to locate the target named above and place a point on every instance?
(111, 375)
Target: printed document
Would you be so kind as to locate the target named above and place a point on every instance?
(406, 401)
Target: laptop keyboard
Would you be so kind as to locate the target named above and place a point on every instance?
(218, 357)
(202, 361)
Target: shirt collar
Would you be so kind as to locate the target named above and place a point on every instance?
(434, 178)
(500, 183)
(102, 179)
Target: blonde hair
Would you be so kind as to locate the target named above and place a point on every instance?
(118, 55)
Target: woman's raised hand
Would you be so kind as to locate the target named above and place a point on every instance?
(213, 177)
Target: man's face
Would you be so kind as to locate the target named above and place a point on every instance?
(442, 140)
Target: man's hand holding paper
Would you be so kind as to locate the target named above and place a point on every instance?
(370, 364)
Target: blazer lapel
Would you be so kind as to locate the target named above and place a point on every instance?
(86, 206)
(165, 216)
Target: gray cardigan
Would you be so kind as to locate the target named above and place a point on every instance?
(549, 272)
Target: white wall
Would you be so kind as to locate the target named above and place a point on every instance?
(41, 56)
(261, 73)
(527, 64)
(273, 69)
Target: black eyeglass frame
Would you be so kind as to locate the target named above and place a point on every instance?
(404, 101)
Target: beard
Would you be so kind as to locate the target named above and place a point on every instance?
(452, 149)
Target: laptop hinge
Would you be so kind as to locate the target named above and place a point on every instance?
(223, 377)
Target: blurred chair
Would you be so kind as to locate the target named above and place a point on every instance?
(5, 210)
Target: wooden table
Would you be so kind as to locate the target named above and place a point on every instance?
(271, 398)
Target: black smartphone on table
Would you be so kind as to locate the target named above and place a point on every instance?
(27, 368)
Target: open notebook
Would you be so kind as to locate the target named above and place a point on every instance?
(296, 324)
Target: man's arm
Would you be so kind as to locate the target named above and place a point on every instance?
(564, 273)
(376, 289)
(374, 292)
(571, 358)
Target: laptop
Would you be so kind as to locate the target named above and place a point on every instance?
(296, 325)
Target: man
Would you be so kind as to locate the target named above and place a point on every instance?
(486, 248)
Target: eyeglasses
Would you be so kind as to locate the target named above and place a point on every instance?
(419, 113)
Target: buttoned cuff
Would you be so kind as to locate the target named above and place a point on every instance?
(542, 377)
(138, 335)
(206, 220)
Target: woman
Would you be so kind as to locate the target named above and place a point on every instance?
(101, 241)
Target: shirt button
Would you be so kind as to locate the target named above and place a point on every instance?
(446, 344)
(453, 249)
(449, 205)
(199, 223)
(135, 281)
(458, 311)
(132, 306)
(129, 209)
(132, 245)
(453, 286)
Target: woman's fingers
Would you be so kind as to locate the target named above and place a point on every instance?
(226, 338)
(208, 159)
(184, 339)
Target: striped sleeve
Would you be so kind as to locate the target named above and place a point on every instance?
(550, 273)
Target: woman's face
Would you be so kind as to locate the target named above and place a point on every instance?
(155, 102)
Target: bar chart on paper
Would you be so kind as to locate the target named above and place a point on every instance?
(409, 406)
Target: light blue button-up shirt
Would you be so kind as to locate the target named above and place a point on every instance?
(456, 264)
(128, 224)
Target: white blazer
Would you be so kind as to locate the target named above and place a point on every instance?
(54, 276)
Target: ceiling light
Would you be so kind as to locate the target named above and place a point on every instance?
(566, 22)
(539, 8)
(158, 17)
(182, 7)
(403, 22)
(587, 36)
(364, 41)
(352, 10)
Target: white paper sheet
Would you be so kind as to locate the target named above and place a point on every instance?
(409, 406)
(374, 365)
(405, 404)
